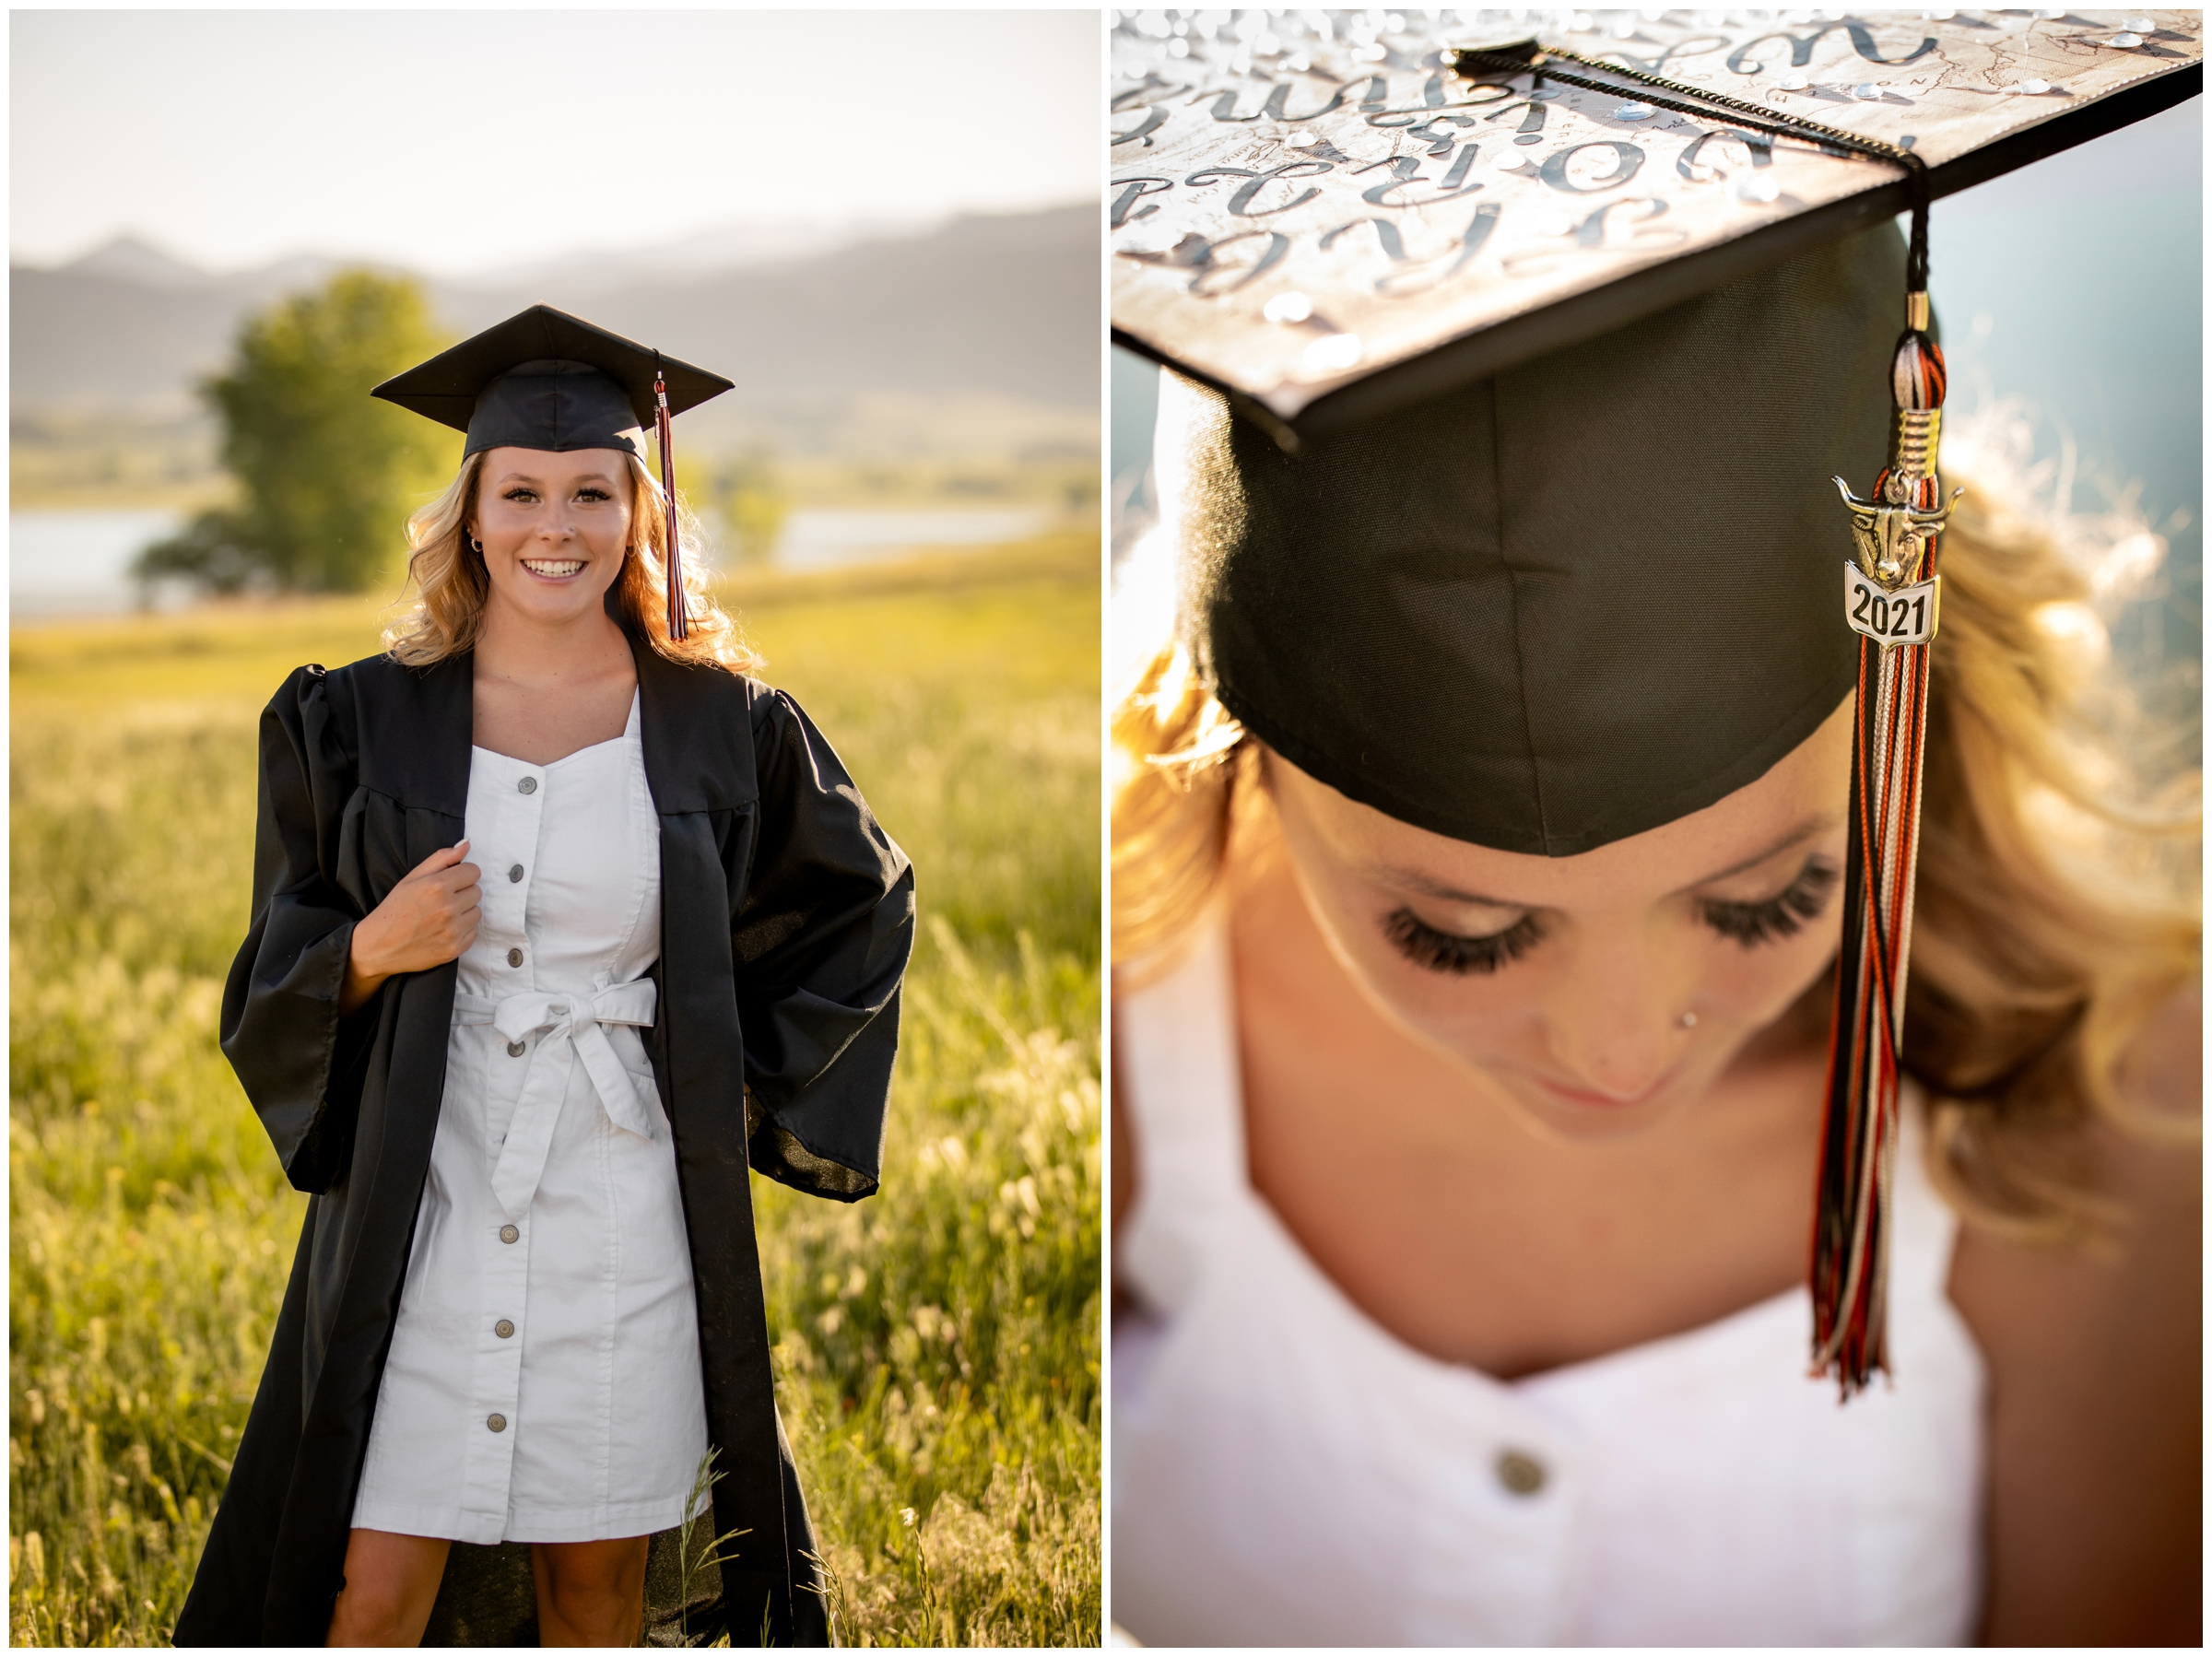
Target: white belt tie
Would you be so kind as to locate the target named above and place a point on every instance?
(572, 1027)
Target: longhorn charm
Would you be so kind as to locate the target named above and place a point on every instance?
(1893, 537)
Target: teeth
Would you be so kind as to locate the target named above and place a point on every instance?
(553, 566)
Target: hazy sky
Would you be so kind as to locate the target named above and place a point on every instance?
(453, 142)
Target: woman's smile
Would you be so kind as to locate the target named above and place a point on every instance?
(553, 570)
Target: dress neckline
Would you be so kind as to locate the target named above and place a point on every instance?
(630, 733)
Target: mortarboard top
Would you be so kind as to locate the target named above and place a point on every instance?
(1325, 220)
(545, 379)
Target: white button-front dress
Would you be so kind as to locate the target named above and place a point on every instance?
(544, 1383)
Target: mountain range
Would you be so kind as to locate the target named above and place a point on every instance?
(994, 310)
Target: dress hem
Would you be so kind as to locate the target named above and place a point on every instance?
(605, 1524)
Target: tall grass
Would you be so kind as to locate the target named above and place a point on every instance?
(937, 1345)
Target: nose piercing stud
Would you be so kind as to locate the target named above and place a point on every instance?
(1687, 1021)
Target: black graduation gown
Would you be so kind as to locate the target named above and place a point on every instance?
(786, 919)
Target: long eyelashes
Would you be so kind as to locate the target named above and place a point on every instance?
(1781, 916)
(1777, 917)
(1449, 952)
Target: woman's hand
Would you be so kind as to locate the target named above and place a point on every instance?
(425, 921)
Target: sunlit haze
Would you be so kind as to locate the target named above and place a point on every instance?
(455, 143)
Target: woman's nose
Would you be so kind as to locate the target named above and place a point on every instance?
(1614, 1019)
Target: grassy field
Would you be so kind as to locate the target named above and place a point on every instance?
(937, 1345)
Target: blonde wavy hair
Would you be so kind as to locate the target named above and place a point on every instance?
(451, 583)
(2056, 909)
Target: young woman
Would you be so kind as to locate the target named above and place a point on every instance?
(1477, 863)
(560, 918)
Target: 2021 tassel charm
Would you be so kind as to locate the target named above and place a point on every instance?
(1891, 594)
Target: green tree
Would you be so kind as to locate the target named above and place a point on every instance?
(326, 474)
(748, 492)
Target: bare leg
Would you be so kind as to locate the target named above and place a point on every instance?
(391, 1584)
(590, 1593)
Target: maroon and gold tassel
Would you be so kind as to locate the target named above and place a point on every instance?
(679, 623)
(1891, 593)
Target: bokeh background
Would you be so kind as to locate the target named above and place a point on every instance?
(879, 226)
(224, 226)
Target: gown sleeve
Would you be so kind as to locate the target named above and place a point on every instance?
(301, 1063)
(820, 939)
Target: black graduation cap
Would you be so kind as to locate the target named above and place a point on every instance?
(545, 379)
(1514, 384)
(1525, 373)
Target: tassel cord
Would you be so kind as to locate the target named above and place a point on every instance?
(1836, 1216)
(1852, 1242)
(673, 566)
(1856, 1134)
(1536, 59)
(1851, 1234)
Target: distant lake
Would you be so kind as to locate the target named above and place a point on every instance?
(816, 540)
(78, 563)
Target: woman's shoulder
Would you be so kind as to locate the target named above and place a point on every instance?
(775, 714)
(2147, 1167)
(2094, 1358)
(771, 714)
(689, 697)
(381, 724)
(310, 727)
(319, 700)
(699, 686)
(369, 683)
(388, 696)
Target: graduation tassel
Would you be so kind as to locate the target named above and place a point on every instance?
(1889, 599)
(679, 623)
(1890, 596)
(1890, 591)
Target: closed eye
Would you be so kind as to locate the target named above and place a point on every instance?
(1805, 899)
(1439, 951)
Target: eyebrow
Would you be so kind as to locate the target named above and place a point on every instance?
(1413, 880)
(1426, 885)
(531, 478)
(1804, 832)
